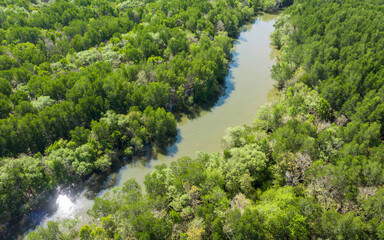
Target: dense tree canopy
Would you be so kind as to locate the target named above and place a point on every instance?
(87, 83)
(309, 167)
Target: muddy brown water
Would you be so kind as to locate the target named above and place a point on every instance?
(248, 86)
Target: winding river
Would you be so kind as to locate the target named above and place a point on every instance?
(248, 86)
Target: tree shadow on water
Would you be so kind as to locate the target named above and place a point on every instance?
(170, 150)
(98, 183)
(229, 85)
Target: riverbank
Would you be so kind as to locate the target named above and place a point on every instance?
(102, 97)
(248, 83)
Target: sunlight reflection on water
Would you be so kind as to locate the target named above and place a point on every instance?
(66, 206)
(248, 83)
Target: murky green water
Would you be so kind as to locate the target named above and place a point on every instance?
(248, 86)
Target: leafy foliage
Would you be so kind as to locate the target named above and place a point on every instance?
(86, 83)
(309, 167)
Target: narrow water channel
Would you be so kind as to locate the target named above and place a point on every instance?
(248, 87)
